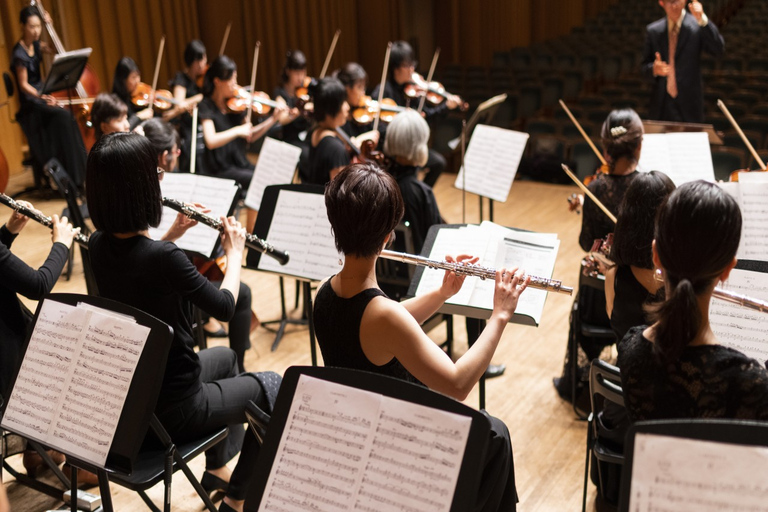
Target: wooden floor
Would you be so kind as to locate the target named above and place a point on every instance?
(548, 442)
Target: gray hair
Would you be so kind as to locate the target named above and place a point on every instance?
(407, 137)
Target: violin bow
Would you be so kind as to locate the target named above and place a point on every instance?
(157, 72)
(329, 54)
(193, 142)
(381, 87)
(588, 192)
(749, 145)
(583, 133)
(224, 39)
(249, 109)
(464, 172)
(429, 79)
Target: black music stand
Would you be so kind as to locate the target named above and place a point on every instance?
(65, 71)
(469, 477)
(715, 137)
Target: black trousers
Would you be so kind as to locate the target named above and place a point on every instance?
(240, 324)
(221, 401)
(497, 491)
(436, 163)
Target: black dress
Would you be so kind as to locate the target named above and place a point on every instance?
(629, 298)
(228, 161)
(295, 133)
(52, 131)
(421, 209)
(337, 326)
(329, 154)
(183, 124)
(18, 277)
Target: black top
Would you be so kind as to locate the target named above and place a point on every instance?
(133, 119)
(18, 277)
(330, 153)
(421, 209)
(630, 296)
(184, 80)
(228, 156)
(397, 92)
(158, 278)
(337, 327)
(708, 381)
(291, 130)
(20, 58)
(609, 190)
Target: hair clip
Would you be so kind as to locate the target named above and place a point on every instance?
(618, 131)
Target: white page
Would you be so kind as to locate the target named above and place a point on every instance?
(687, 475)
(300, 226)
(216, 194)
(681, 156)
(753, 177)
(731, 188)
(737, 326)
(276, 166)
(344, 446)
(491, 161)
(753, 199)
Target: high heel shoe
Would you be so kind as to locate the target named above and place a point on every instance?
(211, 483)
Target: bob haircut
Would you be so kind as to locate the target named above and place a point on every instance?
(222, 68)
(329, 96)
(27, 12)
(352, 73)
(407, 137)
(637, 214)
(401, 54)
(106, 108)
(295, 60)
(194, 51)
(364, 205)
(122, 188)
(161, 134)
(621, 134)
(124, 68)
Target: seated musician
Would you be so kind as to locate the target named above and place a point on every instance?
(675, 368)
(200, 391)
(109, 115)
(124, 84)
(293, 128)
(358, 327)
(51, 130)
(355, 79)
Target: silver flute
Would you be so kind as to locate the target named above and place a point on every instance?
(741, 300)
(251, 241)
(37, 217)
(541, 283)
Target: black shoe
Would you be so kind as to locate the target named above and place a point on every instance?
(495, 370)
(223, 507)
(221, 333)
(211, 483)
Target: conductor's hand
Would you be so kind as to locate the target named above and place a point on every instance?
(660, 68)
(509, 286)
(63, 231)
(17, 221)
(451, 281)
(696, 9)
(232, 238)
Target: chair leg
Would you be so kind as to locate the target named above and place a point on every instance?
(195, 483)
(148, 502)
(106, 496)
(586, 463)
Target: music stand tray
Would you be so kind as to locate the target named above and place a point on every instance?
(670, 127)
(66, 70)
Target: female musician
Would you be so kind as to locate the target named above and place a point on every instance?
(327, 152)
(126, 80)
(354, 78)
(109, 115)
(201, 391)
(187, 94)
(358, 327)
(165, 141)
(226, 133)
(293, 127)
(51, 130)
(675, 367)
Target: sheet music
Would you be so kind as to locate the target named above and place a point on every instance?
(682, 475)
(348, 449)
(276, 166)
(214, 193)
(74, 379)
(753, 177)
(300, 226)
(491, 161)
(681, 156)
(739, 327)
(753, 199)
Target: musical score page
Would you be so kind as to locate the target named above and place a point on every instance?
(491, 161)
(276, 166)
(74, 379)
(348, 449)
(681, 156)
(753, 200)
(216, 194)
(737, 326)
(681, 475)
(300, 226)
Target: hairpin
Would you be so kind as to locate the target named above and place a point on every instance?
(618, 131)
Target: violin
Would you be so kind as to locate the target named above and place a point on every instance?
(365, 112)
(598, 254)
(163, 99)
(435, 92)
(261, 103)
(603, 169)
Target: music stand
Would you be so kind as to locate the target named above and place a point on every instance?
(715, 137)
(65, 71)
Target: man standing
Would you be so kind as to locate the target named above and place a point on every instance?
(671, 59)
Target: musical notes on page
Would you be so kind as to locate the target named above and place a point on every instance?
(681, 156)
(491, 161)
(739, 327)
(300, 226)
(753, 200)
(348, 449)
(678, 474)
(74, 379)
(276, 166)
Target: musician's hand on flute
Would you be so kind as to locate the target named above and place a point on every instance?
(509, 286)
(17, 220)
(62, 231)
(232, 238)
(451, 282)
(575, 201)
(182, 223)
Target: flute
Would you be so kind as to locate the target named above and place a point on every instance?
(38, 217)
(541, 283)
(741, 300)
(251, 241)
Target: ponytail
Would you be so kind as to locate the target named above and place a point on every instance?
(678, 320)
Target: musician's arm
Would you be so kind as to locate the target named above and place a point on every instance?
(21, 278)
(24, 86)
(214, 139)
(610, 293)
(424, 306)
(711, 39)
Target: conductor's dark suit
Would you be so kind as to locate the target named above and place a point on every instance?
(692, 40)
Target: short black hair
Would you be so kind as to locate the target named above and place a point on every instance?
(222, 68)
(124, 68)
(364, 205)
(294, 61)
(329, 96)
(161, 134)
(122, 188)
(27, 12)
(195, 50)
(351, 73)
(105, 108)
(400, 54)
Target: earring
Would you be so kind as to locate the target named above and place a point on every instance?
(341, 262)
(658, 276)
